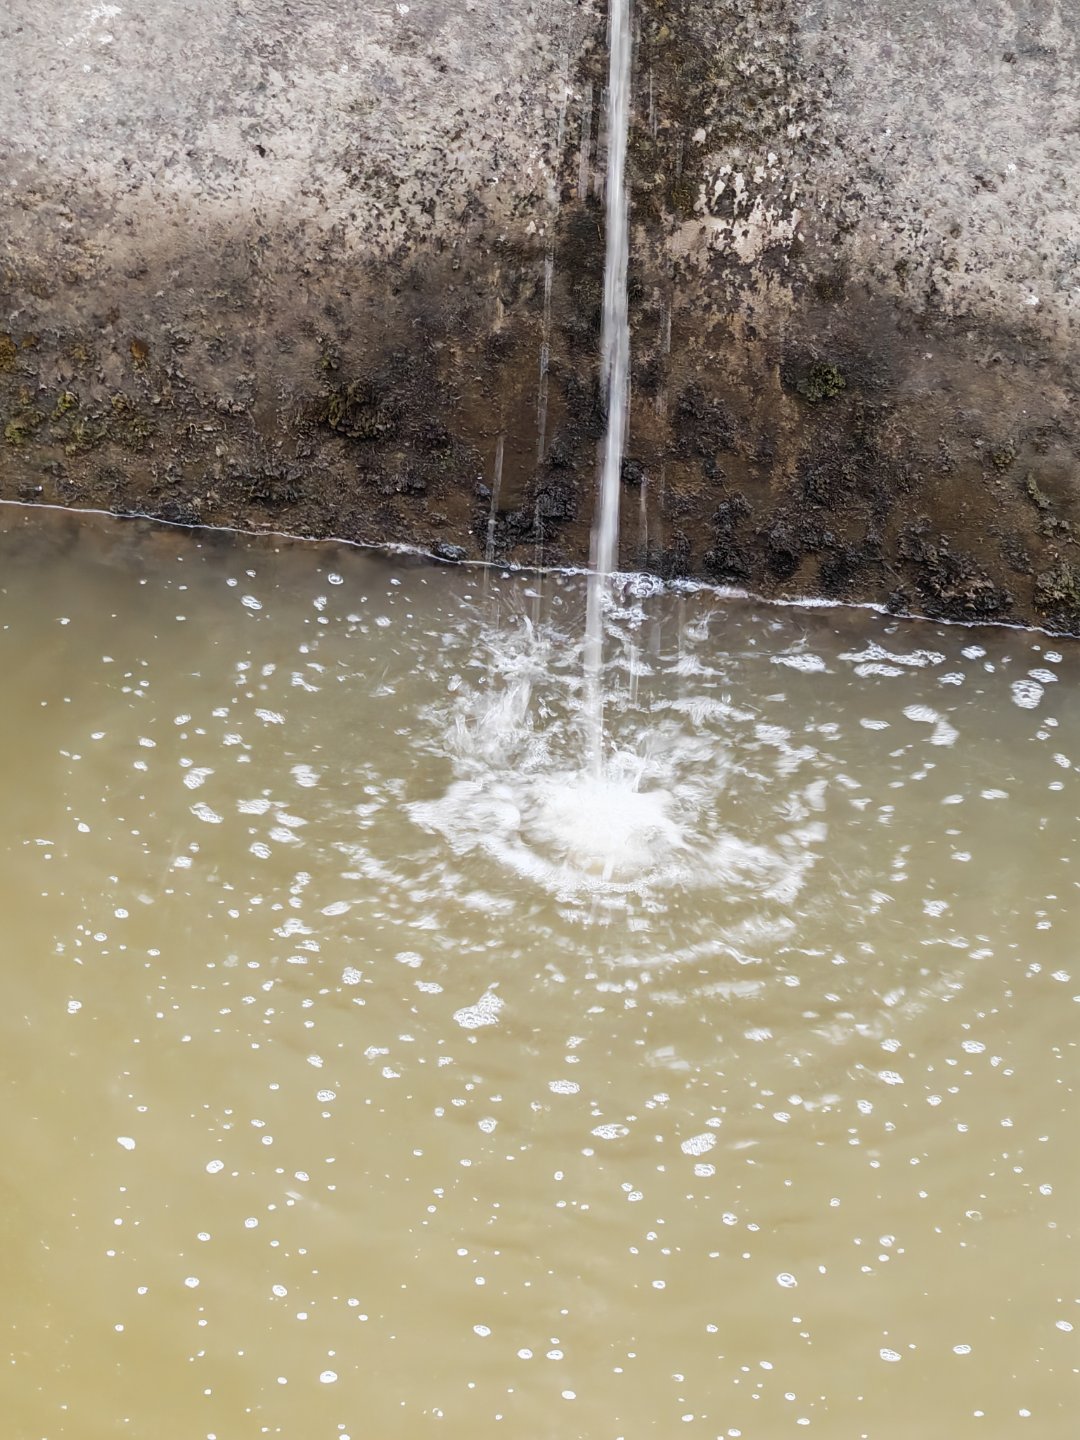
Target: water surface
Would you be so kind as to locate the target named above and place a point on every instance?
(370, 1071)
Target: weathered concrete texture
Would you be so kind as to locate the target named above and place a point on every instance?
(279, 263)
(863, 239)
(318, 265)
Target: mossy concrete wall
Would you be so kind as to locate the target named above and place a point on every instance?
(336, 267)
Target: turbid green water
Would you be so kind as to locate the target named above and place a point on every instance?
(369, 1072)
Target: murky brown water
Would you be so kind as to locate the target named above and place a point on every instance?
(369, 1073)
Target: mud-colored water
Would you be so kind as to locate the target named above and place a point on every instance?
(368, 1072)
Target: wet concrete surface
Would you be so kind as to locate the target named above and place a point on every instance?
(313, 267)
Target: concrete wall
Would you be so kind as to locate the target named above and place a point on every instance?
(318, 265)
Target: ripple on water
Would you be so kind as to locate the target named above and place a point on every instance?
(437, 1079)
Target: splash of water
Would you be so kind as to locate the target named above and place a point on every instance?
(673, 813)
(640, 816)
(616, 822)
(615, 369)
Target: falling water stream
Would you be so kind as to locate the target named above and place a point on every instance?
(361, 1082)
(614, 369)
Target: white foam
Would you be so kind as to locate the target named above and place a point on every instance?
(1026, 693)
(808, 664)
(698, 1144)
(484, 1012)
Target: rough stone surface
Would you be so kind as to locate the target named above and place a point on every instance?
(337, 268)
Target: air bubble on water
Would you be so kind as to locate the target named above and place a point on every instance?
(1026, 693)
(808, 664)
(484, 1012)
(610, 1131)
(698, 1144)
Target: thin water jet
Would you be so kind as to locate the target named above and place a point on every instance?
(614, 369)
(545, 361)
(493, 512)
